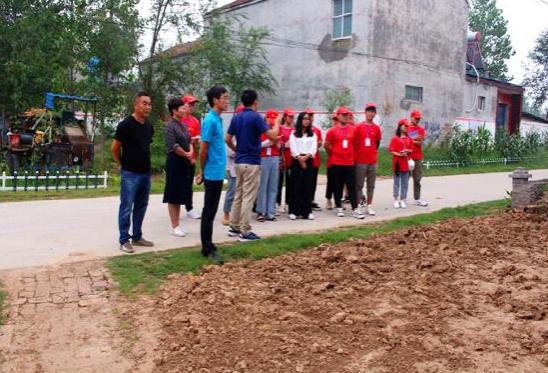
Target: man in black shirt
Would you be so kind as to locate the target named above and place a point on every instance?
(133, 137)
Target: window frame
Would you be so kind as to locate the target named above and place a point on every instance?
(482, 101)
(342, 18)
(420, 91)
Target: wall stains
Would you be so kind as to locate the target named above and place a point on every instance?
(332, 51)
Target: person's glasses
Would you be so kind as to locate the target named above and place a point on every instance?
(291, 116)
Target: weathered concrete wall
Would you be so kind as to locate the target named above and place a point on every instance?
(395, 43)
(472, 117)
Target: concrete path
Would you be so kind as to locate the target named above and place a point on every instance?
(52, 232)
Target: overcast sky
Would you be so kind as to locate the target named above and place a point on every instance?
(526, 20)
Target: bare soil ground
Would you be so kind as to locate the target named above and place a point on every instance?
(459, 296)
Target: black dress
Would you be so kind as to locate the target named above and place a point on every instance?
(179, 171)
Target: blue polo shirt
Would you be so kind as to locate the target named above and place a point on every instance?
(248, 126)
(212, 133)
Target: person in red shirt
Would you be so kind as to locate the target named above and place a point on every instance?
(329, 187)
(417, 133)
(339, 144)
(367, 141)
(286, 128)
(270, 163)
(194, 128)
(400, 147)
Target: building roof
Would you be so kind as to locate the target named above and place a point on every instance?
(231, 6)
(534, 117)
(514, 88)
(174, 52)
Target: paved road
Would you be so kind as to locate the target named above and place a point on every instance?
(50, 232)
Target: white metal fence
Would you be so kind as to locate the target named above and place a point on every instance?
(54, 181)
(449, 163)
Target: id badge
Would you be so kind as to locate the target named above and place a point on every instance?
(269, 151)
(345, 144)
(367, 141)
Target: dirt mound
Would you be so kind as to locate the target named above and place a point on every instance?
(459, 296)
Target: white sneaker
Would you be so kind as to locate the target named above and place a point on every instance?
(403, 205)
(397, 204)
(292, 217)
(311, 216)
(340, 212)
(192, 214)
(420, 202)
(370, 211)
(178, 231)
(358, 214)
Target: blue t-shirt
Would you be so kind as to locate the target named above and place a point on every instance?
(248, 126)
(212, 133)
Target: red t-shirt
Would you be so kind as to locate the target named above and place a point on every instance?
(271, 151)
(194, 129)
(342, 145)
(367, 136)
(316, 162)
(398, 144)
(415, 132)
(284, 141)
(193, 125)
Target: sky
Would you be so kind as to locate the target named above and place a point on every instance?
(526, 20)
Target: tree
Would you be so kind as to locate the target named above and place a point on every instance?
(232, 55)
(340, 96)
(536, 75)
(496, 46)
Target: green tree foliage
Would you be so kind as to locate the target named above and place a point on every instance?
(536, 76)
(496, 46)
(341, 96)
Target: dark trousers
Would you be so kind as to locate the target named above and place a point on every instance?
(315, 171)
(192, 171)
(284, 176)
(300, 200)
(213, 189)
(341, 176)
(329, 186)
(417, 176)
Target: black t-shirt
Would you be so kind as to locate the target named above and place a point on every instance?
(136, 139)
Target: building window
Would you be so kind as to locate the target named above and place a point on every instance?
(413, 93)
(342, 19)
(481, 103)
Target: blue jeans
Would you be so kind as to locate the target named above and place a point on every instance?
(268, 187)
(134, 192)
(401, 184)
(229, 196)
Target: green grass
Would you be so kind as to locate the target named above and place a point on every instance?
(144, 272)
(3, 296)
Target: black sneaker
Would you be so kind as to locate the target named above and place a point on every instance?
(316, 207)
(216, 258)
(233, 232)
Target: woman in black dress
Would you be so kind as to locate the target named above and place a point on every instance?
(178, 188)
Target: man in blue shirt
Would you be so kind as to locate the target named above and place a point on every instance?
(213, 164)
(247, 127)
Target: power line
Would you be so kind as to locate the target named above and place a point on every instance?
(544, 2)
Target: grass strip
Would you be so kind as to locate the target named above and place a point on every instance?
(142, 273)
(3, 296)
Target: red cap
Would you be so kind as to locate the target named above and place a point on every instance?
(334, 115)
(416, 114)
(189, 99)
(403, 122)
(289, 111)
(370, 105)
(240, 108)
(343, 110)
(308, 111)
(272, 114)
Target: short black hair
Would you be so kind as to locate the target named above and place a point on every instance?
(249, 97)
(215, 92)
(174, 104)
(371, 108)
(141, 94)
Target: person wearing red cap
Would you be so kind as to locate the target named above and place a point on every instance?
(329, 187)
(193, 126)
(286, 128)
(270, 164)
(417, 133)
(366, 144)
(400, 147)
(303, 144)
(339, 144)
